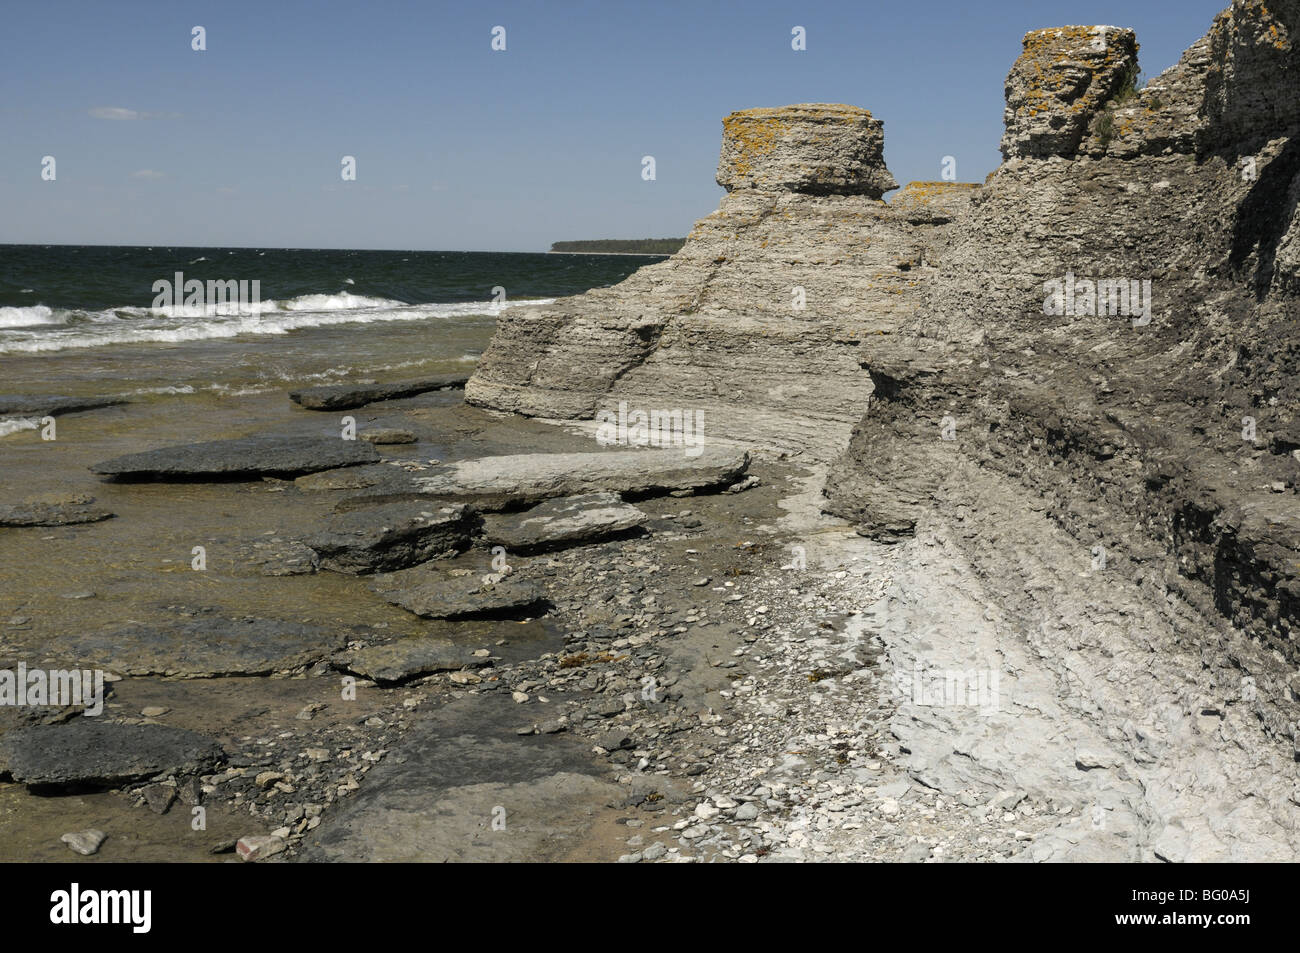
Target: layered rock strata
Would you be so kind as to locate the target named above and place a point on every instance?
(756, 325)
(1152, 403)
(1104, 335)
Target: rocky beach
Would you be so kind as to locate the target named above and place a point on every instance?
(958, 527)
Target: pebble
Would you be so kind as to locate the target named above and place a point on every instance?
(85, 842)
(159, 797)
(258, 846)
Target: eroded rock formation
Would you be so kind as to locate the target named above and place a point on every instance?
(1172, 431)
(1082, 393)
(757, 323)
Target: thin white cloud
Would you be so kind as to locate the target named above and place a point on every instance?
(119, 113)
(147, 174)
(114, 112)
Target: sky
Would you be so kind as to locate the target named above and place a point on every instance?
(459, 146)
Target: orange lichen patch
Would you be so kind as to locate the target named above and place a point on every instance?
(755, 137)
(926, 191)
(756, 132)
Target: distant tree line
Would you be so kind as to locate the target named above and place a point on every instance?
(623, 246)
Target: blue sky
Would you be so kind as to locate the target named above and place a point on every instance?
(462, 147)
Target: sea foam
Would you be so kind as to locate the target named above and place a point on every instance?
(174, 325)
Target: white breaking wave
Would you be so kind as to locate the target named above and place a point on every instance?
(181, 324)
(180, 389)
(28, 317)
(343, 301)
(10, 425)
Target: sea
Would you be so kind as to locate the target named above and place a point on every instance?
(94, 320)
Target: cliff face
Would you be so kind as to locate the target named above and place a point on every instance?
(1135, 427)
(1069, 395)
(1109, 322)
(758, 321)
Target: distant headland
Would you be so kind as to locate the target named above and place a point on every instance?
(620, 246)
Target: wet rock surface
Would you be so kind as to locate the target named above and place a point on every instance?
(93, 753)
(393, 536)
(435, 594)
(386, 436)
(459, 778)
(349, 396)
(51, 514)
(204, 647)
(24, 405)
(405, 659)
(262, 455)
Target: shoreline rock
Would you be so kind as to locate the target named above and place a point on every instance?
(351, 396)
(560, 522)
(244, 457)
(86, 752)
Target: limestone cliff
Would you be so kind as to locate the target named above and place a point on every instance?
(1169, 436)
(758, 321)
(1109, 322)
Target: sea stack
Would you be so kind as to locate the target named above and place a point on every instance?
(759, 321)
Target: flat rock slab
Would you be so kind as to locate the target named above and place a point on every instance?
(346, 396)
(348, 478)
(205, 647)
(405, 659)
(95, 753)
(50, 514)
(387, 436)
(43, 405)
(392, 536)
(278, 557)
(262, 455)
(431, 800)
(571, 520)
(516, 479)
(433, 594)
